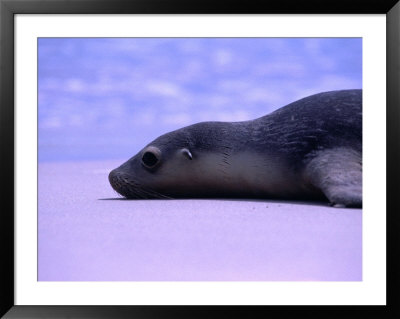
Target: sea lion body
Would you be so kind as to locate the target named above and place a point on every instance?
(309, 149)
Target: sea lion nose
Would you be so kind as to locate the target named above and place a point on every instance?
(111, 175)
(120, 182)
(113, 178)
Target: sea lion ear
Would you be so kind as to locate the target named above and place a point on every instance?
(187, 153)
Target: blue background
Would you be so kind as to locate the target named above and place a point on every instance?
(106, 98)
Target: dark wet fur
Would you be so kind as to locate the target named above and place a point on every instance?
(295, 132)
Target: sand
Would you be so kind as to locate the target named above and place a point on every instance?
(87, 232)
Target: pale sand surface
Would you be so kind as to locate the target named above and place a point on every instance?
(88, 233)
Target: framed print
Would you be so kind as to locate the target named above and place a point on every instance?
(161, 155)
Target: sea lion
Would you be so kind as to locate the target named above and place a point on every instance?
(310, 149)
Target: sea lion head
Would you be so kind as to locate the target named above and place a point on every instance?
(162, 169)
(203, 160)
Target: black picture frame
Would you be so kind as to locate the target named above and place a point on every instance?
(8, 8)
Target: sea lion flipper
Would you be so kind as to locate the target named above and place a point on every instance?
(338, 174)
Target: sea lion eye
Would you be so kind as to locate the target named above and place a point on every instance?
(151, 157)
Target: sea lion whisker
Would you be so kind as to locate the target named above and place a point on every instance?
(154, 193)
(142, 192)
